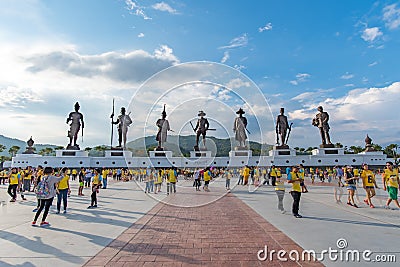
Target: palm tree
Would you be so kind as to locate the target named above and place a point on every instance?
(2, 148)
(13, 150)
(59, 148)
(47, 151)
(356, 149)
(338, 145)
(377, 147)
(100, 149)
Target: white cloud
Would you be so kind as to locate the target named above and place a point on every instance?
(300, 77)
(360, 111)
(225, 57)
(239, 67)
(391, 16)
(240, 41)
(39, 85)
(372, 64)
(140, 35)
(267, 27)
(370, 34)
(135, 9)
(346, 76)
(113, 65)
(162, 6)
(237, 83)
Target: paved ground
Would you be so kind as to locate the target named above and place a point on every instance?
(73, 238)
(194, 228)
(226, 232)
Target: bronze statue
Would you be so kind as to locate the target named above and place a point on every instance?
(163, 128)
(201, 128)
(123, 121)
(321, 121)
(281, 128)
(239, 128)
(76, 119)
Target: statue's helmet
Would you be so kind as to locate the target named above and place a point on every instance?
(320, 108)
(77, 106)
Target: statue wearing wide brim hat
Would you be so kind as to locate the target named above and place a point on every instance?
(240, 111)
(201, 128)
(239, 128)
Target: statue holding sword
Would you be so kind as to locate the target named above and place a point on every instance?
(201, 128)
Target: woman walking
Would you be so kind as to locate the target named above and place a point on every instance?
(46, 193)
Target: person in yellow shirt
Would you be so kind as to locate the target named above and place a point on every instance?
(207, 179)
(13, 184)
(172, 179)
(27, 175)
(158, 181)
(390, 180)
(280, 193)
(104, 175)
(246, 174)
(96, 184)
(63, 190)
(272, 174)
(74, 174)
(295, 179)
(369, 184)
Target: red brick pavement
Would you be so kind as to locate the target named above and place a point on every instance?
(225, 232)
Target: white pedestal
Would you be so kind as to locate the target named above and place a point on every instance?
(118, 153)
(328, 151)
(240, 153)
(282, 152)
(200, 154)
(71, 153)
(160, 154)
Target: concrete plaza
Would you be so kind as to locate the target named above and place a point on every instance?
(189, 228)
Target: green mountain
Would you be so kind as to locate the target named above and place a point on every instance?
(182, 145)
(179, 145)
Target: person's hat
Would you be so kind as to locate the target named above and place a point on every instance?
(349, 167)
(240, 111)
(364, 164)
(201, 113)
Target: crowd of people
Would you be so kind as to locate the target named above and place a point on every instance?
(49, 183)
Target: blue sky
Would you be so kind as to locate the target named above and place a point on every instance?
(301, 54)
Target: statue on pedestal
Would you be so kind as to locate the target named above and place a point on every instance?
(281, 129)
(368, 145)
(123, 121)
(163, 128)
(239, 128)
(201, 128)
(321, 121)
(30, 149)
(76, 119)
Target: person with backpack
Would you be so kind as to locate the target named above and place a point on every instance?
(46, 192)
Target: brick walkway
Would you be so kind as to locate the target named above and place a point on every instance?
(225, 232)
